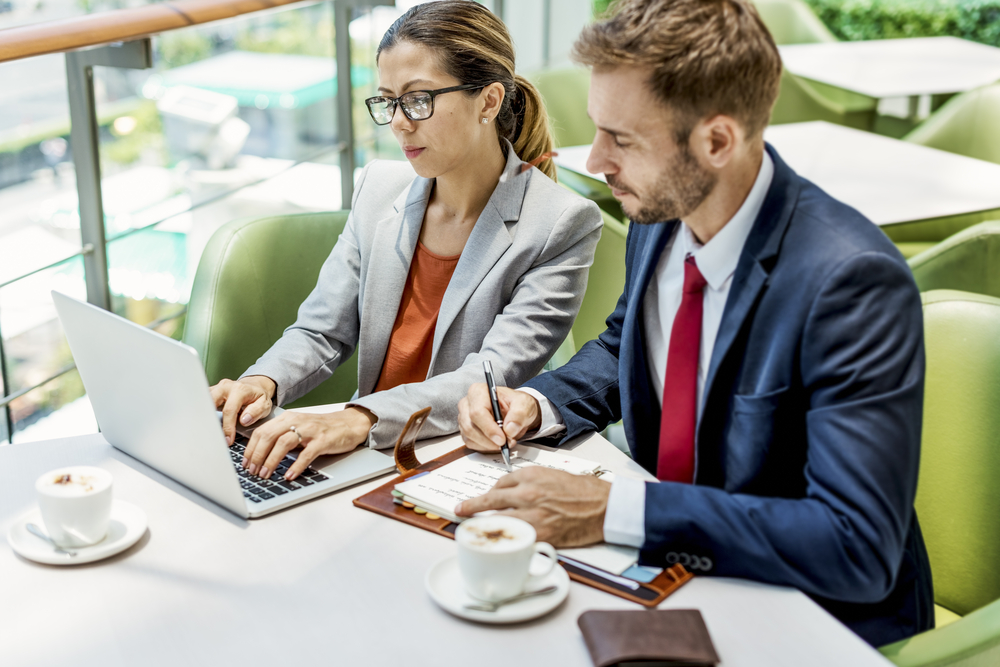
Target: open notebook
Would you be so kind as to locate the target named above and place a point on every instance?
(440, 491)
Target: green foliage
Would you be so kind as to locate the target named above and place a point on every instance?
(975, 20)
(91, 6)
(300, 33)
(182, 47)
(601, 7)
(148, 134)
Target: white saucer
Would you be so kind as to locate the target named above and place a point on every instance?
(444, 583)
(128, 524)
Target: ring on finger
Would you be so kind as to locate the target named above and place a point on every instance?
(296, 432)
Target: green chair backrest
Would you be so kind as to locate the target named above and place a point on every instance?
(565, 94)
(966, 261)
(793, 22)
(252, 277)
(958, 494)
(605, 284)
(800, 101)
(968, 124)
(590, 188)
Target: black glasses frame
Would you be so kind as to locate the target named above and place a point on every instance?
(396, 101)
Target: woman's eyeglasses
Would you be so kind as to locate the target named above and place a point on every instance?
(416, 104)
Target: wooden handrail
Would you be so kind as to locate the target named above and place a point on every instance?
(121, 25)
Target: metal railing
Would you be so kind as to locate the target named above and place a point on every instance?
(122, 38)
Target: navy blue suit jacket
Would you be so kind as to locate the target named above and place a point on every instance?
(809, 441)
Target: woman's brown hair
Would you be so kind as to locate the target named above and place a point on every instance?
(473, 46)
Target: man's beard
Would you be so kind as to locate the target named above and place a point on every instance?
(681, 189)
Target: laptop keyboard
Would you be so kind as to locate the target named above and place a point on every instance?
(257, 490)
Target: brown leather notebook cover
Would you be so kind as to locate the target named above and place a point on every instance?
(380, 500)
(661, 636)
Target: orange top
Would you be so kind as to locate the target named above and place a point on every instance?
(409, 354)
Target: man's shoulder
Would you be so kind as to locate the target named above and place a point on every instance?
(824, 231)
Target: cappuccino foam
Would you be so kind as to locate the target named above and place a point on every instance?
(495, 534)
(72, 482)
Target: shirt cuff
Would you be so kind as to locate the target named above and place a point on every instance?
(552, 422)
(625, 517)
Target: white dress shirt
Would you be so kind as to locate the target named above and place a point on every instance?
(624, 521)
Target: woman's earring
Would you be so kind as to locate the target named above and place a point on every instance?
(485, 120)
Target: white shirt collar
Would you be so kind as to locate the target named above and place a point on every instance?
(718, 258)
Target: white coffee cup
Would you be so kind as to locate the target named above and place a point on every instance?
(495, 554)
(76, 504)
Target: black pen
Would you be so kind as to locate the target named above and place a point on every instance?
(495, 400)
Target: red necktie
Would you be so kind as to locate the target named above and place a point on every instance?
(680, 387)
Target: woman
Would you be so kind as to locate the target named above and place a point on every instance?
(441, 265)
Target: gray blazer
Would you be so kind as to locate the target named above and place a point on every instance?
(512, 299)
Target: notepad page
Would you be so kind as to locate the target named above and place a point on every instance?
(441, 490)
(474, 475)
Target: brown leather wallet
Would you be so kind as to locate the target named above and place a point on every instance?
(661, 636)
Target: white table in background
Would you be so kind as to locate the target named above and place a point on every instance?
(896, 67)
(324, 581)
(888, 180)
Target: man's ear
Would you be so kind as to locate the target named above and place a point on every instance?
(714, 141)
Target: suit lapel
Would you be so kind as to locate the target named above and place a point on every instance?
(488, 242)
(749, 283)
(386, 280)
(638, 400)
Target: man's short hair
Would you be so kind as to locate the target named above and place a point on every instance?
(707, 57)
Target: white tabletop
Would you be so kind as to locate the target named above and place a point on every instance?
(896, 67)
(888, 180)
(324, 581)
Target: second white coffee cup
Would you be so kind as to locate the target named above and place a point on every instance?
(495, 555)
(75, 503)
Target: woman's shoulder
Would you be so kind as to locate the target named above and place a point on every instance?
(552, 200)
(381, 182)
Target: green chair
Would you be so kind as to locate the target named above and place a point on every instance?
(958, 493)
(592, 189)
(800, 100)
(252, 277)
(793, 22)
(913, 238)
(604, 288)
(565, 94)
(967, 124)
(967, 261)
(564, 353)
(605, 284)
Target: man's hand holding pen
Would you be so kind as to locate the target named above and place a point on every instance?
(491, 386)
(565, 510)
(480, 430)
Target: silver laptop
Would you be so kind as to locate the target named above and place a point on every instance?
(152, 401)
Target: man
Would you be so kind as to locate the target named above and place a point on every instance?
(766, 356)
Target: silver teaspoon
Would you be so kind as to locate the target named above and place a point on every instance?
(38, 532)
(493, 606)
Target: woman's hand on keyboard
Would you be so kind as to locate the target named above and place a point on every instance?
(318, 434)
(249, 399)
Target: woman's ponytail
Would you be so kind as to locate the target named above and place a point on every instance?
(532, 136)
